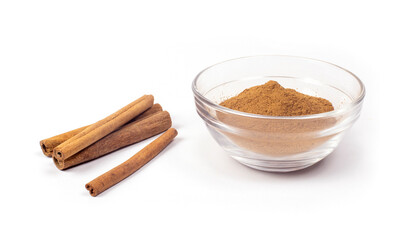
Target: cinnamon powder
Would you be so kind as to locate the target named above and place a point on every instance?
(274, 100)
(285, 138)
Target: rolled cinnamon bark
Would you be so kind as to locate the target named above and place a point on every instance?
(102, 128)
(117, 174)
(131, 133)
(48, 145)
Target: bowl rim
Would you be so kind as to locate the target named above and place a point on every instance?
(333, 113)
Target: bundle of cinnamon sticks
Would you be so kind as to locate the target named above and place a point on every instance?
(133, 123)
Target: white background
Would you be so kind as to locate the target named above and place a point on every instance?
(64, 64)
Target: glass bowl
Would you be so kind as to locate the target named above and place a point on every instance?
(278, 144)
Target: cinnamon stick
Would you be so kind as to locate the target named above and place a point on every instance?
(48, 145)
(117, 174)
(131, 133)
(102, 128)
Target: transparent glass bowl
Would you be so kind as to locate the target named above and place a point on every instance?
(278, 144)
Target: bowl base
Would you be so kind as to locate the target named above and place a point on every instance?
(276, 166)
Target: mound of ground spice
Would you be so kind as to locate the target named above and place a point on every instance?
(274, 100)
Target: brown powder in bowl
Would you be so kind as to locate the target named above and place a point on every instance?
(277, 137)
(274, 100)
